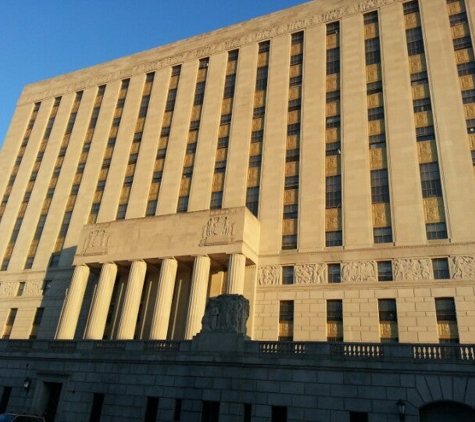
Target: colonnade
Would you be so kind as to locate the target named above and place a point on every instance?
(130, 306)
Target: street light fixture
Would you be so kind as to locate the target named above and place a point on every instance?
(401, 406)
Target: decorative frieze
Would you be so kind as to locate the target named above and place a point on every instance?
(462, 267)
(270, 275)
(412, 269)
(218, 230)
(355, 272)
(309, 274)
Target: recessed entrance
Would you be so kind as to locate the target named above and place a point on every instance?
(446, 411)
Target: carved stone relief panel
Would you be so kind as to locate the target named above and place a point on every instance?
(217, 231)
(434, 210)
(269, 275)
(462, 267)
(309, 274)
(467, 82)
(96, 243)
(469, 111)
(354, 272)
(412, 269)
(381, 215)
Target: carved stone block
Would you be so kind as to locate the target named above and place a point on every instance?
(226, 313)
(309, 274)
(412, 269)
(355, 272)
(269, 275)
(462, 267)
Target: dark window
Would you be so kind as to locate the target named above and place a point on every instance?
(293, 129)
(199, 93)
(247, 414)
(358, 417)
(151, 208)
(289, 241)
(252, 199)
(100, 185)
(333, 238)
(333, 61)
(419, 78)
(257, 136)
(425, 133)
(176, 70)
(292, 155)
(225, 119)
(187, 172)
(295, 105)
(233, 55)
(376, 113)
(332, 122)
(334, 310)
(377, 141)
(461, 43)
(440, 267)
(291, 182)
(288, 276)
(387, 310)
(445, 309)
(138, 136)
(165, 131)
(261, 79)
(220, 166)
(229, 85)
(295, 81)
(151, 410)
(128, 180)
(382, 235)
(379, 186)
(468, 96)
(333, 96)
(385, 271)
(470, 126)
(96, 409)
(210, 411)
(133, 158)
(333, 192)
(194, 125)
(54, 261)
(422, 105)
(106, 163)
(411, 7)
(259, 112)
(466, 68)
(161, 153)
(216, 200)
(458, 19)
(414, 41)
(95, 208)
(182, 204)
(157, 176)
(111, 142)
(286, 309)
(171, 99)
(121, 211)
(372, 51)
(291, 211)
(370, 18)
(297, 38)
(7, 391)
(296, 59)
(177, 411)
(255, 160)
(191, 148)
(430, 180)
(333, 148)
(223, 142)
(436, 231)
(374, 87)
(333, 28)
(203, 63)
(264, 46)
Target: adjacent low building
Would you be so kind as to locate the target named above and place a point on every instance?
(318, 161)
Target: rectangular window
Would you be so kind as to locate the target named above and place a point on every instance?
(415, 44)
(436, 231)
(293, 129)
(229, 85)
(177, 411)
(332, 122)
(385, 271)
(333, 28)
(96, 408)
(411, 7)
(291, 182)
(295, 81)
(430, 180)
(161, 153)
(419, 78)
(121, 211)
(187, 172)
(458, 19)
(296, 59)
(379, 186)
(9, 323)
(210, 411)
(333, 60)
(422, 104)
(333, 192)
(223, 142)
(446, 320)
(151, 411)
(358, 417)
(252, 199)
(286, 310)
(46, 286)
(191, 148)
(259, 112)
(220, 166)
(157, 176)
(264, 46)
(295, 105)
(333, 148)
(382, 235)
(374, 88)
(291, 211)
(261, 79)
(21, 288)
(151, 208)
(334, 273)
(376, 113)
(377, 141)
(292, 155)
(334, 320)
(332, 96)
(287, 275)
(225, 119)
(199, 93)
(462, 43)
(387, 310)
(333, 238)
(182, 204)
(194, 125)
(468, 96)
(289, 242)
(171, 99)
(255, 160)
(36, 323)
(425, 133)
(372, 51)
(440, 267)
(216, 200)
(466, 68)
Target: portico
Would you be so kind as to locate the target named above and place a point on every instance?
(174, 263)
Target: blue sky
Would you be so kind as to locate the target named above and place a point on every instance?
(40, 39)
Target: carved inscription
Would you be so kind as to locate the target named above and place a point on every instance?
(217, 231)
(269, 276)
(412, 269)
(309, 274)
(359, 271)
(230, 44)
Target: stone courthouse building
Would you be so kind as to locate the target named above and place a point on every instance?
(317, 161)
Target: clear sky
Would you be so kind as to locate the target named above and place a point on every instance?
(40, 39)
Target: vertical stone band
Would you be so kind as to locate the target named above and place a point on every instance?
(72, 304)
(199, 287)
(130, 307)
(163, 304)
(101, 302)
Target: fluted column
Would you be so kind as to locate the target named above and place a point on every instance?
(236, 272)
(197, 304)
(72, 304)
(130, 307)
(163, 304)
(100, 305)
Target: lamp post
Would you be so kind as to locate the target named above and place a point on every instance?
(401, 406)
(27, 383)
